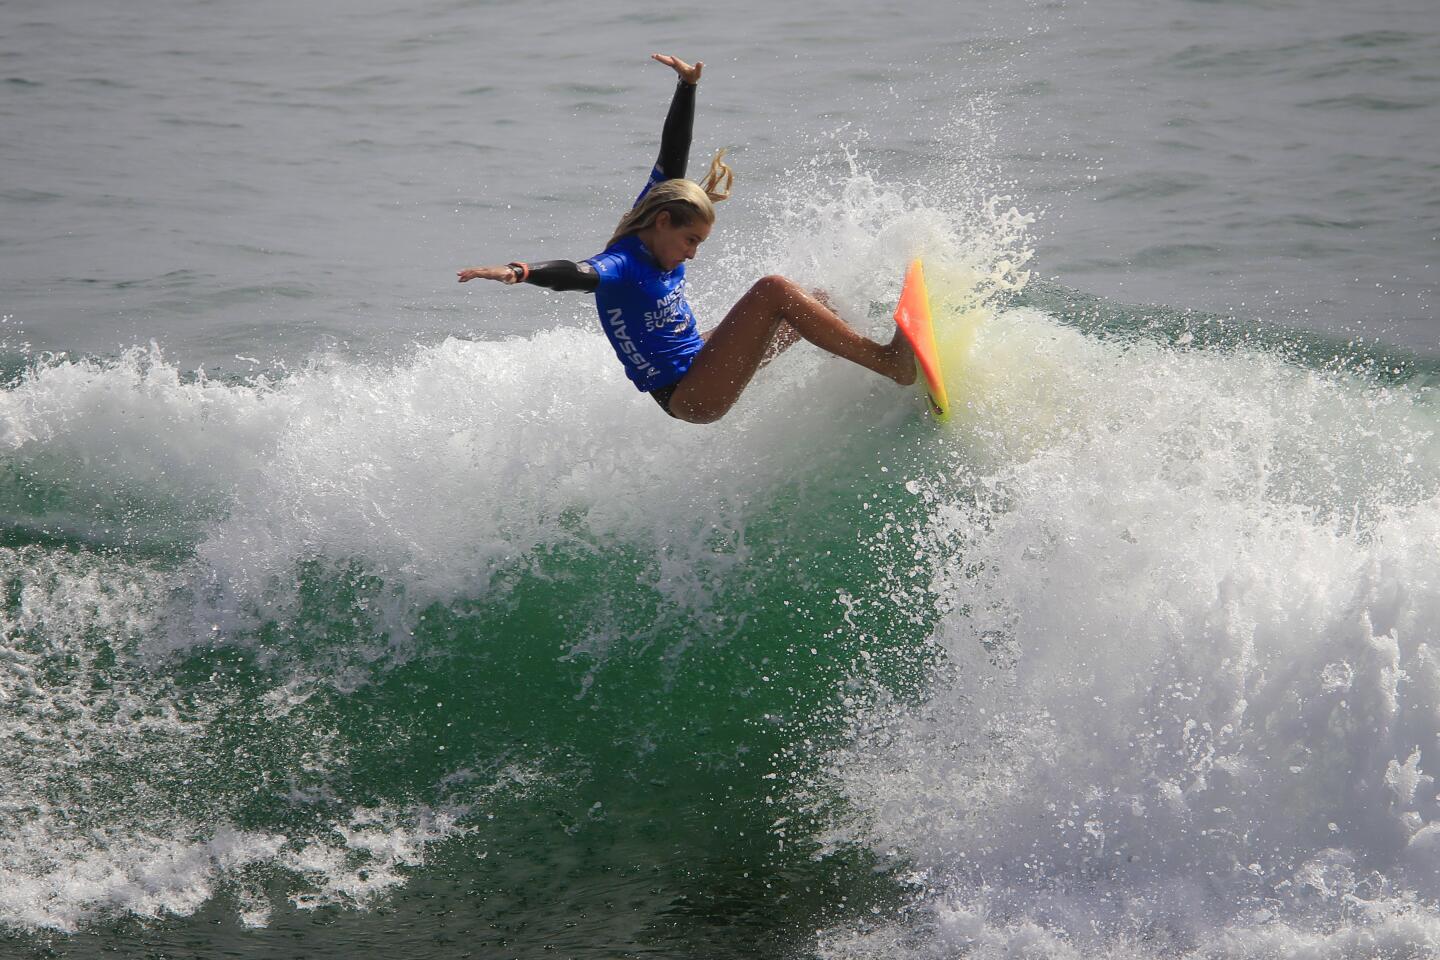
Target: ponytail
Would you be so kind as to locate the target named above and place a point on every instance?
(719, 170)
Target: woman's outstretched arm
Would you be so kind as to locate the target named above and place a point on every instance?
(676, 135)
(551, 274)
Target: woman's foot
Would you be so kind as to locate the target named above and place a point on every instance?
(900, 360)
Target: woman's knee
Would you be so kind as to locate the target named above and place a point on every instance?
(775, 288)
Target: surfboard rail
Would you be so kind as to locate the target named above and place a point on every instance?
(912, 317)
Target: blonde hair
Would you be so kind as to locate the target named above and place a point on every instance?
(682, 199)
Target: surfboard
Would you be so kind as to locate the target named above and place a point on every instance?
(912, 316)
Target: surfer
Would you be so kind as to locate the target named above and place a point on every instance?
(639, 287)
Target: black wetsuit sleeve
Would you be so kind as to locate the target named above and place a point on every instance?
(675, 137)
(563, 275)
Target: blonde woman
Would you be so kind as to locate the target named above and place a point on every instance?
(639, 287)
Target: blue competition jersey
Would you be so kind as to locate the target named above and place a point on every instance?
(645, 314)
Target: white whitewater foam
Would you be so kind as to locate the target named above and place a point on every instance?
(99, 817)
(1193, 709)
(134, 429)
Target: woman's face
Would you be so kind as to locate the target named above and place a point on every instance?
(672, 245)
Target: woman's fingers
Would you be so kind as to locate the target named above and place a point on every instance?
(687, 73)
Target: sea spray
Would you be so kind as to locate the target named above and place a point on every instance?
(1190, 706)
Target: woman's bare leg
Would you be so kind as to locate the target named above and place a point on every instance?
(786, 336)
(735, 349)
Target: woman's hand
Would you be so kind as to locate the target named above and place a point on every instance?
(503, 274)
(688, 74)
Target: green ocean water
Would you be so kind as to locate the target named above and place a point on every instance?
(624, 771)
(609, 751)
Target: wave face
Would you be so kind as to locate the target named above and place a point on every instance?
(1135, 657)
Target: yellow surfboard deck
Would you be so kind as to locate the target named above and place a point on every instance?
(912, 316)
